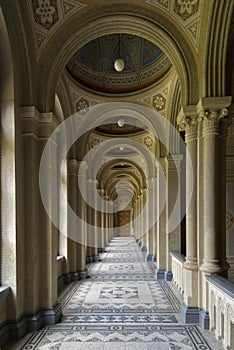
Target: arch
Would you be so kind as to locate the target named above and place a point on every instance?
(96, 158)
(128, 175)
(20, 52)
(214, 59)
(138, 21)
(156, 124)
(7, 161)
(111, 188)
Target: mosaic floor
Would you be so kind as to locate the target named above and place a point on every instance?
(120, 307)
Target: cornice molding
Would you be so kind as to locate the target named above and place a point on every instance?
(41, 125)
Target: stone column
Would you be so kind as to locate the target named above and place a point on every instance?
(188, 120)
(215, 123)
(161, 222)
(76, 238)
(151, 242)
(100, 238)
(144, 220)
(102, 220)
(106, 215)
(173, 209)
(81, 212)
(37, 281)
(72, 224)
(136, 228)
(213, 112)
(92, 250)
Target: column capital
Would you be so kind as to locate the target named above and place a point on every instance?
(214, 114)
(82, 167)
(162, 163)
(214, 103)
(173, 161)
(72, 166)
(216, 122)
(188, 121)
(91, 184)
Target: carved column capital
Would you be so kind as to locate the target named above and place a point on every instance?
(214, 114)
(215, 122)
(188, 121)
(72, 166)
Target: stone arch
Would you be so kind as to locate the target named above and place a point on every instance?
(129, 143)
(157, 124)
(142, 22)
(7, 162)
(122, 160)
(214, 59)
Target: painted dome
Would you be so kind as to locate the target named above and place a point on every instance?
(93, 65)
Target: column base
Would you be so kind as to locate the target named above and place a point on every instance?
(212, 267)
(154, 258)
(161, 274)
(16, 329)
(78, 275)
(137, 240)
(83, 274)
(204, 319)
(191, 265)
(168, 275)
(190, 314)
(101, 250)
(89, 259)
(139, 243)
(143, 249)
(149, 257)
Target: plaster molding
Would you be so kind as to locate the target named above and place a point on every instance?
(38, 124)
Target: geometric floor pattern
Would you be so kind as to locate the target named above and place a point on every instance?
(121, 306)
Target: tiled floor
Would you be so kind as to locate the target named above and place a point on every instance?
(120, 307)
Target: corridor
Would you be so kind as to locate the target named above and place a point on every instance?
(120, 306)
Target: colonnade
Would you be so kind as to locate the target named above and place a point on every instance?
(206, 126)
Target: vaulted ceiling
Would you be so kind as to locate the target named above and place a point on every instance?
(93, 64)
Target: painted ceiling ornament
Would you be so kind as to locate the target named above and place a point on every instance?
(229, 220)
(82, 105)
(95, 143)
(148, 141)
(159, 102)
(45, 12)
(186, 8)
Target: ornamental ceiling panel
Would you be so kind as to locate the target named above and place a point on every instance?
(187, 14)
(159, 100)
(47, 15)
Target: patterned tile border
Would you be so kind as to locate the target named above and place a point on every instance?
(173, 336)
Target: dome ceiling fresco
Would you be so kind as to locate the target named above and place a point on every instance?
(93, 65)
(129, 126)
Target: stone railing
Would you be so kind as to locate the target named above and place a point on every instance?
(178, 260)
(221, 309)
